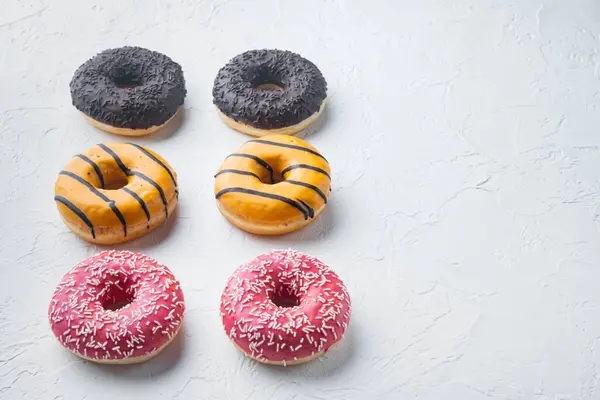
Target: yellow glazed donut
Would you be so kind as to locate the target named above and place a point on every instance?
(273, 185)
(115, 192)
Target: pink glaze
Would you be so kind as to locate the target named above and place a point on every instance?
(268, 332)
(82, 324)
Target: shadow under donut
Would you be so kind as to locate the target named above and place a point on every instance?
(317, 231)
(317, 126)
(329, 364)
(311, 130)
(164, 362)
(149, 240)
(165, 132)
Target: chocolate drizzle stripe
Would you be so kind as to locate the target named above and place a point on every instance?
(156, 160)
(291, 202)
(111, 203)
(95, 166)
(311, 211)
(157, 187)
(304, 166)
(309, 186)
(139, 200)
(129, 172)
(77, 212)
(87, 184)
(114, 155)
(258, 160)
(288, 146)
(237, 171)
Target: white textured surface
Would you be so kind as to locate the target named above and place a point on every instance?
(463, 137)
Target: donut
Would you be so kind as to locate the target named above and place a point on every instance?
(115, 192)
(128, 91)
(117, 307)
(273, 185)
(266, 92)
(285, 308)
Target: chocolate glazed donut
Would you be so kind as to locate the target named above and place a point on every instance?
(129, 90)
(264, 92)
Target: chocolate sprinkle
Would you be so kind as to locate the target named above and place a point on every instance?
(129, 87)
(235, 91)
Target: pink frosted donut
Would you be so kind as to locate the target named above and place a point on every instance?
(117, 307)
(285, 308)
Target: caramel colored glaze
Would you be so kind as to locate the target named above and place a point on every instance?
(115, 192)
(253, 195)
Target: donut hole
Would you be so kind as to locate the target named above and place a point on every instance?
(116, 183)
(265, 81)
(114, 178)
(276, 179)
(127, 80)
(284, 299)
(116, 298)
(268, 86)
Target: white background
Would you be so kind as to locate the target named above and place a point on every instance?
(464, 141)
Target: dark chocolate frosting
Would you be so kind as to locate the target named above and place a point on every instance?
(235, 91)
(129, 87)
